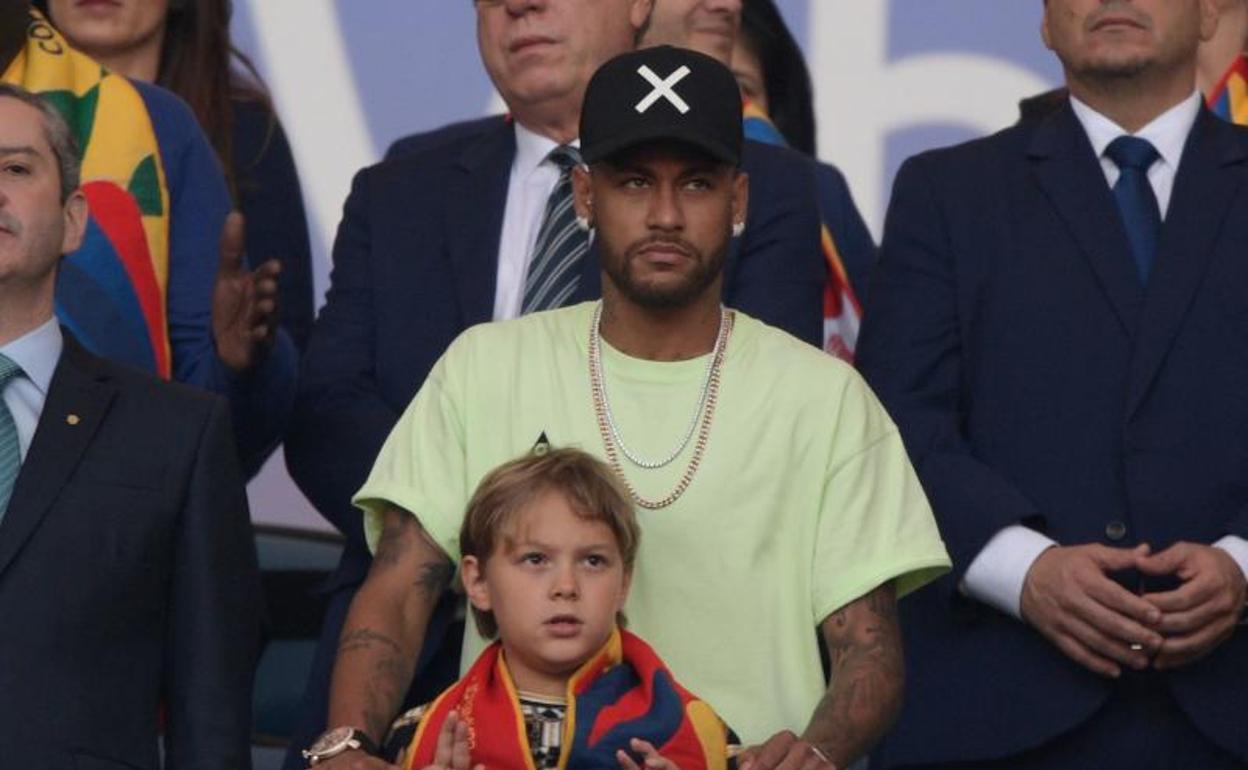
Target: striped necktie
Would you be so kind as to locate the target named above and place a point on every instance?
(10, 450)
(555, 268)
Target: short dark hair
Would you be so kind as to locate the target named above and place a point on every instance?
(589, 487)
(57, 133)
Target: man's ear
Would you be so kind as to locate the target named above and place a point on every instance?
(74, 213)
(473, 577)
(583, 194)
(740, 197)
(1209, 16)
(639, 12)
(1044, 28)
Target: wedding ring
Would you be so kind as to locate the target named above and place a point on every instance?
(1137, 647)
(823, 757)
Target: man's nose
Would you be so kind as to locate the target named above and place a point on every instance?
(665, 209)
(726, 6)
(520, 7)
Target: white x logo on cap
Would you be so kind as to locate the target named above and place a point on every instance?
(663, 89)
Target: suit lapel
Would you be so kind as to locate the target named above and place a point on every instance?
(1070, 175)
(1207, 181)
(78, 398)
(476, 198)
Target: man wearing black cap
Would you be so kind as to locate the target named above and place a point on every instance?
(776, 491)
(472, 223)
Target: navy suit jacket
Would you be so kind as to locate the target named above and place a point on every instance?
(128, 580)
(1035, 381)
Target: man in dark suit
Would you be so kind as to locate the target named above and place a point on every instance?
(1058, 325)
(127, 571)
(442, 235)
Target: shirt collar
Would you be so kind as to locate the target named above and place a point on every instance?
(37, 352)
(1167, 132)
(532, 149)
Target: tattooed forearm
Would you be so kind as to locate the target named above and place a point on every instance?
(386, 687)
(864, 696)
(365, 638)
(388, 672)
(385, 626)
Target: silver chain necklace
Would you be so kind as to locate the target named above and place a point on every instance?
(595, 358)
(610, 431)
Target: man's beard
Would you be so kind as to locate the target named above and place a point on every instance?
(703, 274)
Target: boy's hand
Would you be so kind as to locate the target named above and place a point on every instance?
(452, 752)
(651, 760)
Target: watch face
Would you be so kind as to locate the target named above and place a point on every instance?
(332, 742)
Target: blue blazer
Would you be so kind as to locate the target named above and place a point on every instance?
(1036, 381)
(415, 264)
(128, 579)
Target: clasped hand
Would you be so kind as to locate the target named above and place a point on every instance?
(1069, 597)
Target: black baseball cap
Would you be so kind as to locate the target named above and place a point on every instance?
(662, 93)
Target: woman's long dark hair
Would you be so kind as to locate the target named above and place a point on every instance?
(789, 98)
(200, 64)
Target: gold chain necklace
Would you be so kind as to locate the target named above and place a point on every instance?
(598, 387)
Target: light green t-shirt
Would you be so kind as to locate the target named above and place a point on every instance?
(804, 501)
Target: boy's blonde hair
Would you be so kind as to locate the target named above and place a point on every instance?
(588, 485)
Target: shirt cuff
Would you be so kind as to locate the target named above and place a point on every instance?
(1237, 547)
(997, 573)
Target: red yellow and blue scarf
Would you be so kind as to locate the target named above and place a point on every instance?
(1229, 99)
(623, 692)
(842, 314)
(115, 284)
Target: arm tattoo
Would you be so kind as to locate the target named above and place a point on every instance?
(365, 638)
(864, 696)
(386, 681)
(399, 534)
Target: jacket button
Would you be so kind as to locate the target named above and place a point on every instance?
(1115, 530)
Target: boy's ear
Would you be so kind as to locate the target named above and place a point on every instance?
(473, 578)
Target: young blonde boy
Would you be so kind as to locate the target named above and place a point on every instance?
(548, 544)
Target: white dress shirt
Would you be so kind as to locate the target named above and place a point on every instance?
(533, 179)
(997, 573)
(37, 352)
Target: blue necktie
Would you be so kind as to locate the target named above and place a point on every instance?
(561, 246)
(1136, 201)
(10, 450)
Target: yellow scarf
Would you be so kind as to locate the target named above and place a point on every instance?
(124, 181)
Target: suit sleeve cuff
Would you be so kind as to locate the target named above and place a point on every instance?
(997, 573)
